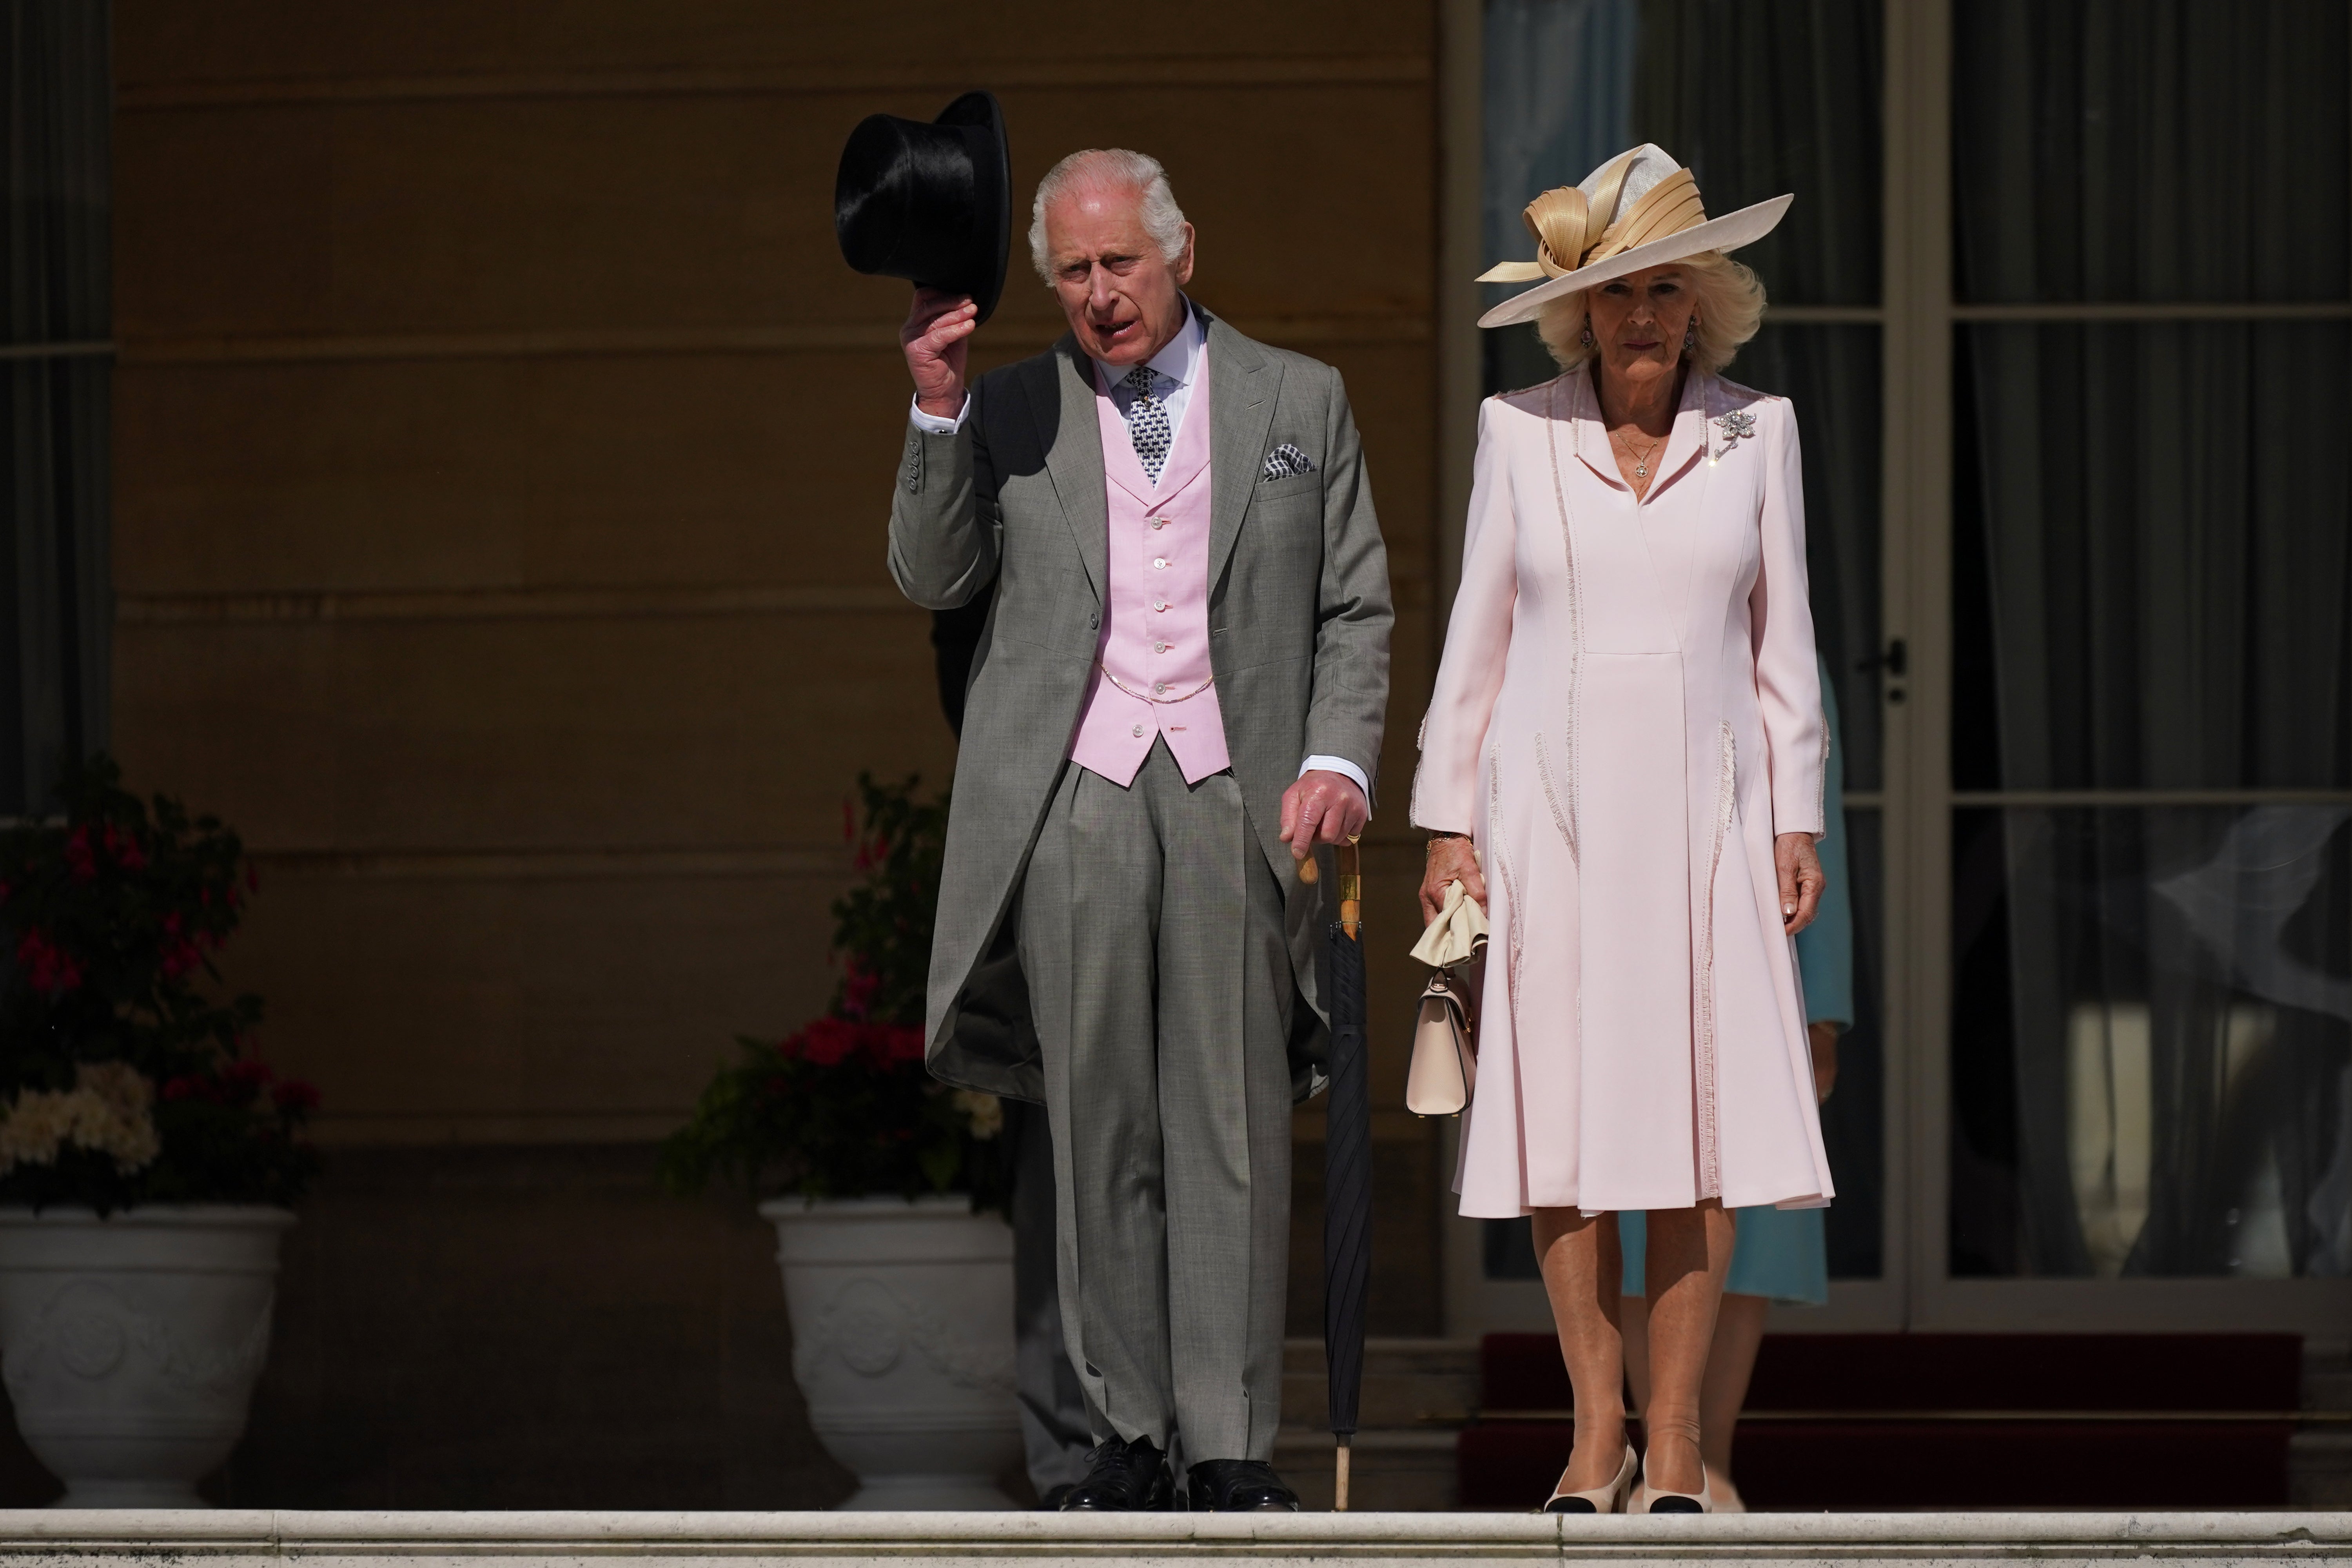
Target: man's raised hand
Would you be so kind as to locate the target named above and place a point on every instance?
(938, 337)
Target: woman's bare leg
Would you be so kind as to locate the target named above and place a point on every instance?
(1633, 1325)
(1689, 1254)
(1581, 1268)
(1739, 1331)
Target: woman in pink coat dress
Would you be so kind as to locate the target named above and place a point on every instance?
(1622, 762)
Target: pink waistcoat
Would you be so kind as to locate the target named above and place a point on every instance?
(1155, 634)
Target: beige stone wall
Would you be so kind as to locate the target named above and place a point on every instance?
(501, 462)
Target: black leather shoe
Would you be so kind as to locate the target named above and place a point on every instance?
(1240, 1485)
(1123, 1478)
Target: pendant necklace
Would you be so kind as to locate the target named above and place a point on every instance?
(1641, 460)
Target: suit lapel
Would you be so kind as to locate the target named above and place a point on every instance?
(1242, 386)
(1068, 430)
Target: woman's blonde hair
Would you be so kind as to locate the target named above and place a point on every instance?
(1731, 308)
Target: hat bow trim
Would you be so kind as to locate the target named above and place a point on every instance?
(1566, 220)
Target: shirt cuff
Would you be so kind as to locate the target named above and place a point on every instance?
(1344, 768)
(931, 423)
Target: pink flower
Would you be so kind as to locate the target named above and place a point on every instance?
(295, 1095)
(899, 1044)
(49, 967)
(80, 859)
(827, 1041)
(123, 848)
(859, 987)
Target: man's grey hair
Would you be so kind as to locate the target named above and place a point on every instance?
(1109, 168)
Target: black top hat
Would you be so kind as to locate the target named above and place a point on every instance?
(932, 203)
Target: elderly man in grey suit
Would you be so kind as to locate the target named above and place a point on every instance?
(1179, 692)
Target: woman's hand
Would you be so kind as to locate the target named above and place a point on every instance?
(1800, 864)
(1451, 859)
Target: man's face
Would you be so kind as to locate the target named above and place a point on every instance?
(1122, 297)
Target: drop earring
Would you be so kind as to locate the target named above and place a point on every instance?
(1587, 337)
(1690, 335)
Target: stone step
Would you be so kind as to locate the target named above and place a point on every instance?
(257, 1539)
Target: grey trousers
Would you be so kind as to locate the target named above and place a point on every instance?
(1151, 936)
(1055, 1429)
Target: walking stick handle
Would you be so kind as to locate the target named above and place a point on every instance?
(1351, 883)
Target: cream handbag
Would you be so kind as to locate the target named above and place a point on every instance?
(1444, 1068)
(1444, 1061)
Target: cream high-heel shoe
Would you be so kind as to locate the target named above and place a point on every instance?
(1610, 1499)
(1648, 1499)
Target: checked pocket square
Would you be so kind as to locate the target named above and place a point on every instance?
(1284, 461)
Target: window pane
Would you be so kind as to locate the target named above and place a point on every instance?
(2149, 1044)
(1853, 1117)
(1758, 99)
(54, 578)
(1832, 374)
(2152, 578)
(2151, 150)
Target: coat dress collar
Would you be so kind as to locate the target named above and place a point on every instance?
(1686, 442)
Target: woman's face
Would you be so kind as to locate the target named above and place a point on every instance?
(1639, 321)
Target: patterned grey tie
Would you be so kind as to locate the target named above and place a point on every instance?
(1146, 421)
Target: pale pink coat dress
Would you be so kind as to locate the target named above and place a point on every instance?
(1627, 712)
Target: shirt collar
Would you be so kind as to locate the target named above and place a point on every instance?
(1179, 362)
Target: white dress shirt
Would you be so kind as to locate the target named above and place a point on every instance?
(1177, 365)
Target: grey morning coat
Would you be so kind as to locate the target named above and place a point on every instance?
(1298, 635)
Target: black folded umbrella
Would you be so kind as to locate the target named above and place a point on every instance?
(1347, 1167)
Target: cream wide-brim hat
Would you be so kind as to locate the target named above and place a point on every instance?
(1639, 209)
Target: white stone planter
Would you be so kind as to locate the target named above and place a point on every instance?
(902, 1343)
(130, 1344)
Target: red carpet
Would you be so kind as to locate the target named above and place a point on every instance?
(1858, 1461)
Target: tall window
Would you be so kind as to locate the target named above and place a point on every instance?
(2151, 746)
(54, 589)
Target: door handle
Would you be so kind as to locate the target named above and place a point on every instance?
(1895, 661)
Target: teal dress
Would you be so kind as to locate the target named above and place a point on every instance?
(1782, 1253)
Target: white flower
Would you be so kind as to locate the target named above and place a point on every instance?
(34, 1126)
(983, 1114)
(123, 1087)
(110, 1114)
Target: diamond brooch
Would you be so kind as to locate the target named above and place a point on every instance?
(1737, 428)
